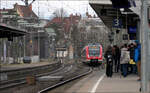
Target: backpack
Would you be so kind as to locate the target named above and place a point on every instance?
(137, 54)
(109, 56)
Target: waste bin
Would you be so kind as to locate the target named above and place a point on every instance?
(30, 80)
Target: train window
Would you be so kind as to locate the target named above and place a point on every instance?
(94, 51)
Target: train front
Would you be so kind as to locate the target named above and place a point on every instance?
(94, 54)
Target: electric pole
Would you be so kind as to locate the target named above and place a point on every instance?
(144, 47)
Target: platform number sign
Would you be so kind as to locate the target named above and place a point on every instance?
(117, 23)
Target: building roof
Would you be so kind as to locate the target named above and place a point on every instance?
(72, 19)
(50, 31)
(25, 11)
(54, 20)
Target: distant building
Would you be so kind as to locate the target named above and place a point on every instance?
(23, 17)
(25, 11)
(65, 24)
(92, 30)
(63, 28)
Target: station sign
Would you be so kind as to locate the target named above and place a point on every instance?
(117, 23)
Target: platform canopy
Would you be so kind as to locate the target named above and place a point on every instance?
(109, 14)
(9, 31)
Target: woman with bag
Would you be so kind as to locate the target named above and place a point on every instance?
(125, 58)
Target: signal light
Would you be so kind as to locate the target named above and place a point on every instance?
(125, 37)
(117, 31)
(103, 12)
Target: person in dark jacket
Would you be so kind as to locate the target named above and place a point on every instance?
(132, 65)
(109, 61)
(131, 49)
(117, 54)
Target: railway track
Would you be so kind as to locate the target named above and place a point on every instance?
(17, 82)
(64, 82)
(21, 72)
(65, 74)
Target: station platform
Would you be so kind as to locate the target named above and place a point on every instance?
(6, 67)
(119, 84)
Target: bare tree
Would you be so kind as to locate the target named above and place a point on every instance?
(27, 2)
(60, 13)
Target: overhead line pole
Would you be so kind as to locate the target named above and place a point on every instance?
(144, 47)
(38, 32)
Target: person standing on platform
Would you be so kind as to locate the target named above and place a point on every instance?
(124, 60)
(117, 58)
(132, 64)
(109, 61)
(137, 57)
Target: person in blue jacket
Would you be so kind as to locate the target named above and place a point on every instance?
(137, 57)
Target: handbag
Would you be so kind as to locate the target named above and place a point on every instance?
(131, 62)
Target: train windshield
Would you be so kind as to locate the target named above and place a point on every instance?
(94, 51)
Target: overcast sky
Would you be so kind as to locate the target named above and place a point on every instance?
(47, 7)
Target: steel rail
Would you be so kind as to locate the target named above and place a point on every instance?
(27, 68)
(13, 83)
(64, 82)
(19, 73)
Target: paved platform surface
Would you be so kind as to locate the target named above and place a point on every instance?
(19, 66)
(119, 84)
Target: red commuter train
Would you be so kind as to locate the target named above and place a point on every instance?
(92, 54)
